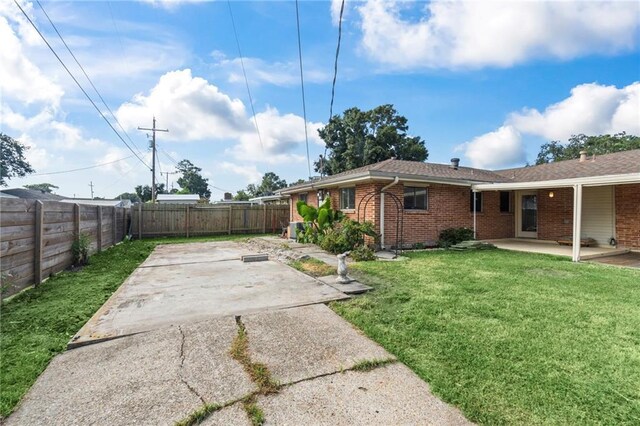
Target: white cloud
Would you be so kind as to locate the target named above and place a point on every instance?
(195, 110)
(263, 72)
(474, 34)
(21, 79)
(250, 172)
(591, 109)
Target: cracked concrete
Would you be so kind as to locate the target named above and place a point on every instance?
(306, 342)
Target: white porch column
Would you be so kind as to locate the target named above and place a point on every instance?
(577, 221)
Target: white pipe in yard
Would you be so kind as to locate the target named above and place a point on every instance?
(395, 181)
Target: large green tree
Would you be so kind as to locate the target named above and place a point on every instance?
(598, 145)
(12, 161)
(134, 198)
(44, 187)
(358, 138)
(270, 183)
(144, 192)
(192, 180)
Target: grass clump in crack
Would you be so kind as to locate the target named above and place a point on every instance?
(258, 372)
(255, 413)
(313, 267)
(371, 364)
(199, 415)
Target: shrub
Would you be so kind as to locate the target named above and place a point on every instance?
(317, 221)
(347, 235)
(80, 249)
(362, 253)
(452, 236)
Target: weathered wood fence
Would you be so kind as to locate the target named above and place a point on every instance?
(162, 220)
(36, 237)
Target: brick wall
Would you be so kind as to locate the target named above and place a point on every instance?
(555, 215)
(628, 215)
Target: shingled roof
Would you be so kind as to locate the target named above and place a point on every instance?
(618, 163)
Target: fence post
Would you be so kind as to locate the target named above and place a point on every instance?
(187, 221)
(264, 218)
(230, 218)
(140, 221)
(76, 221)
(37, 264)
(114, 231)
(99, 238)
(124, 223)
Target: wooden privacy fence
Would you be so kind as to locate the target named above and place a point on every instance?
(163, 220)
(36, 237)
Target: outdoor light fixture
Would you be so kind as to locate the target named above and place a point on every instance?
(551, 194)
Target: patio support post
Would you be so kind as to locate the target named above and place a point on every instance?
(395, 181)
(577, 221)
(474, 214)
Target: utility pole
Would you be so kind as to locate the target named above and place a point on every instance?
(153, 156)
(168, 173)
(91, 185)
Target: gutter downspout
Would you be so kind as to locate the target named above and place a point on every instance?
(474, 213)
(395, 181)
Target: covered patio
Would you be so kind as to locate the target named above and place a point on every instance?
(551, 247)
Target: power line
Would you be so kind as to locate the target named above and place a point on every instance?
(304, 105)
(333, 85)
(246, 81)
(81, 168)
(87, 76)
(78, 83)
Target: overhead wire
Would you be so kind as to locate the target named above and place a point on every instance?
(244, 73)
(81, 168)
(333, 85)
(87, 76)
(304, 104)
(78, 84)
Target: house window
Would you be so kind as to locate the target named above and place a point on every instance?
(478, 199)
(505, 202)
(302, 197)
(347, 198)
(415, 198)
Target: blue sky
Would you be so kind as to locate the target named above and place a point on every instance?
(484, 81)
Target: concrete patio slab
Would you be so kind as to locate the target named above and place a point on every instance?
(628, 260)
(159, 296)
(551, 247)
(391, 395)
(354, 287)
(300, 343)
(154, 378)
(172, 254)
(233, 415)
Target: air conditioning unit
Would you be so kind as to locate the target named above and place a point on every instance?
(294, 227)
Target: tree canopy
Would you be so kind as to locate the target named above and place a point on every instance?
(144, 192)
(191, 179)
(12, 161)
(270, 183)
(358, 138)
(44, 187)
(598, 145)
(134, 198)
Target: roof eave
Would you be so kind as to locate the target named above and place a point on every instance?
(602, 180)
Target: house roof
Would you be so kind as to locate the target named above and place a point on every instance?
(106, 203)
(618, 163)
(428, 172)
(178, 197)
(33, 194)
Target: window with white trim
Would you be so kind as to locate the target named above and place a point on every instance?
(347, 198)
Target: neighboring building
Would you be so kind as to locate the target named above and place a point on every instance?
(270, 199)
(104, 203)
(177, 198)
(412, 202)
(32, 194)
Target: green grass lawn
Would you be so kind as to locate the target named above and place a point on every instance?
(510, 338)
(36, 324)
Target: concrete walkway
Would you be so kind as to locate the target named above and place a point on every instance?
(179, 367)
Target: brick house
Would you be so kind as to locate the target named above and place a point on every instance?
(412, 202)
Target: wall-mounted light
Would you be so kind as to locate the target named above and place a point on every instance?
(551, 194)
